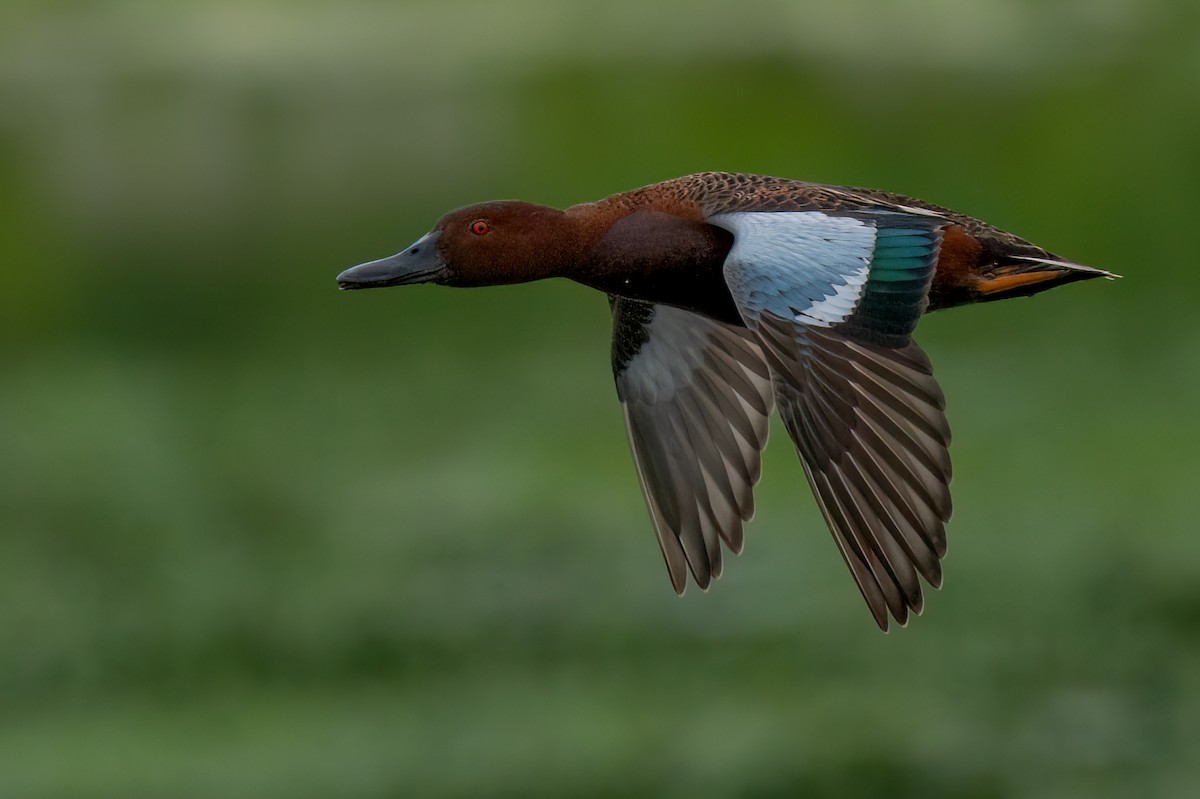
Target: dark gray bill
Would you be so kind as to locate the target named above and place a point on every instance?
(420, 263)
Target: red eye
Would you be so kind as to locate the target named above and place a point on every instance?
(480, 228)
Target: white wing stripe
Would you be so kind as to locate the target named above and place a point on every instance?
(835, 307)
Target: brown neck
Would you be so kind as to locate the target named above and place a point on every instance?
(556, 245)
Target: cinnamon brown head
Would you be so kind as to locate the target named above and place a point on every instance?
(488, 244)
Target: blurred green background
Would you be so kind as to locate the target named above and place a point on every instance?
(264, 539)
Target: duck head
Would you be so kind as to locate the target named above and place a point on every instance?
(487, 244)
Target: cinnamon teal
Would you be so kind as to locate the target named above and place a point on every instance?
(735, 293)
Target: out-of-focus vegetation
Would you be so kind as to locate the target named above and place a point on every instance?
(264, 539)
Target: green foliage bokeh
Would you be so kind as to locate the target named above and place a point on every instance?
(264, 539)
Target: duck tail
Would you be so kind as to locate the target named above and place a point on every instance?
(1023, 275)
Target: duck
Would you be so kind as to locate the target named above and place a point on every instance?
(734, 295)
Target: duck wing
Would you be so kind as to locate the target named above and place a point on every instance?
(696, 394)
(832, 300)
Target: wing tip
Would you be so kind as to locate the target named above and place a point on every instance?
(881, 621)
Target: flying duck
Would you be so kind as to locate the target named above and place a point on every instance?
(732, 294)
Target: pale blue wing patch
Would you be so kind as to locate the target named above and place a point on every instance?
(867, 274)
(807, 266)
